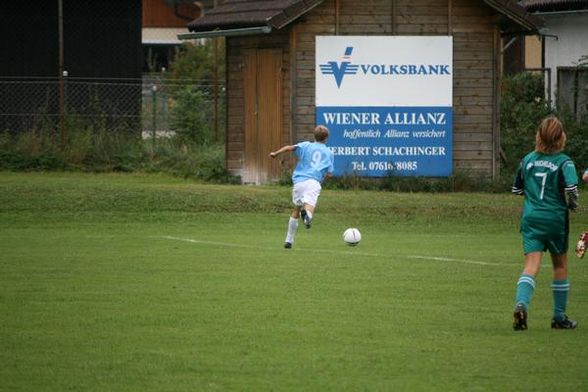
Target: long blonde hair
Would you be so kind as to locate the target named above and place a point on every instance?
(550, 136)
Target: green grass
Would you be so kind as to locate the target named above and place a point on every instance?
(150, 283)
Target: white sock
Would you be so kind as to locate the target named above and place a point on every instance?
(292, 227)
(309, 214)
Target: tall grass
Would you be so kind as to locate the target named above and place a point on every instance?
(99, 150)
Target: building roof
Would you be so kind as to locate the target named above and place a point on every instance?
(554, 5)
(275, 14)
(517, 14)
(237, 14)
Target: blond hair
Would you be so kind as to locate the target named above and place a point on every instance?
(550, 136)
(321, 133)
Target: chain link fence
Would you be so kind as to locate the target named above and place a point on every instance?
(153, 106)
(569, 89)
(100, 69)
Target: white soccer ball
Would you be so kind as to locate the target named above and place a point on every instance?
(352, 236)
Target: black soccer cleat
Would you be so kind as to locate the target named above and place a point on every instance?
(566, 323)
(305, 218)
(288, 245)
(520, 318)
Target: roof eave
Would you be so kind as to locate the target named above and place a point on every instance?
(517, 14)
(297, 14)
(256, 30)
(276, 22)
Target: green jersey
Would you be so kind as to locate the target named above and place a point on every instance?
(544, 180)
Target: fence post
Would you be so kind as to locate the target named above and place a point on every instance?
(62, 106)
(154, 112)
(215, 90)
(61, 73)
(163, 99)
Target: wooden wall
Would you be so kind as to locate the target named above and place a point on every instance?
(475, 84)
(159, 13)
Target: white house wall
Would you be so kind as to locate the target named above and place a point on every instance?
(571, 43)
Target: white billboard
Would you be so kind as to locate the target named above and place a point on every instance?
(387, 101)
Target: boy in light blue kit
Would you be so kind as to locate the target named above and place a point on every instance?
(315, 163)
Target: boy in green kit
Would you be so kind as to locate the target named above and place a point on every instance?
(548, 180)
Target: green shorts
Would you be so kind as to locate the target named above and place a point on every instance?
(556, 245)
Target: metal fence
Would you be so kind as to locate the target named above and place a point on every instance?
(569, 89)
(572, 92)
(147, 106)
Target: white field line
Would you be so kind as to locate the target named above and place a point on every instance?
(350, 252)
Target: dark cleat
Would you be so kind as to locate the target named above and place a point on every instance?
(288, 245)
(566, 323)
(305, 218)
(520, 318)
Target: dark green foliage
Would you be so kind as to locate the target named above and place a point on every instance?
(522, 108)
(195, 76)
(87, 150)
(189, 160)
(459, 181)
(191, 115)
(577, 144)
(102, 151)
(192, 62)
(31, 151)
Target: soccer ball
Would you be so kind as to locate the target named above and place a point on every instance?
(352, 236)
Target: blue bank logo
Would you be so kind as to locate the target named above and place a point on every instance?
(338, 70)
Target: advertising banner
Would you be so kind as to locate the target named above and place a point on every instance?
(387, 101)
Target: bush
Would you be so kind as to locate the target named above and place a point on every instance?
(204, 162)
(30, 151)
(190, 86)
(101, 151)
(190, 116)
(459, 181)
(577, 144)
(522, 108)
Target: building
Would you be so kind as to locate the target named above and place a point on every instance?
(85, 40)
(271, 68)
(560, 49)
(162, 21)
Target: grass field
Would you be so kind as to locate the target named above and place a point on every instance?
(149, 283)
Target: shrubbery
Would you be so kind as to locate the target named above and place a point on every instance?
(191, 116)
(522, 109)
(192, 108)
(104, 151)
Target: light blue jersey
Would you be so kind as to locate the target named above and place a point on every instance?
(315, 160)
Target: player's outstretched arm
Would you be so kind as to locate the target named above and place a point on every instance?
(274, 154)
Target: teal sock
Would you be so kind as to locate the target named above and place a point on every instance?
(560, 289)
(525, 289)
